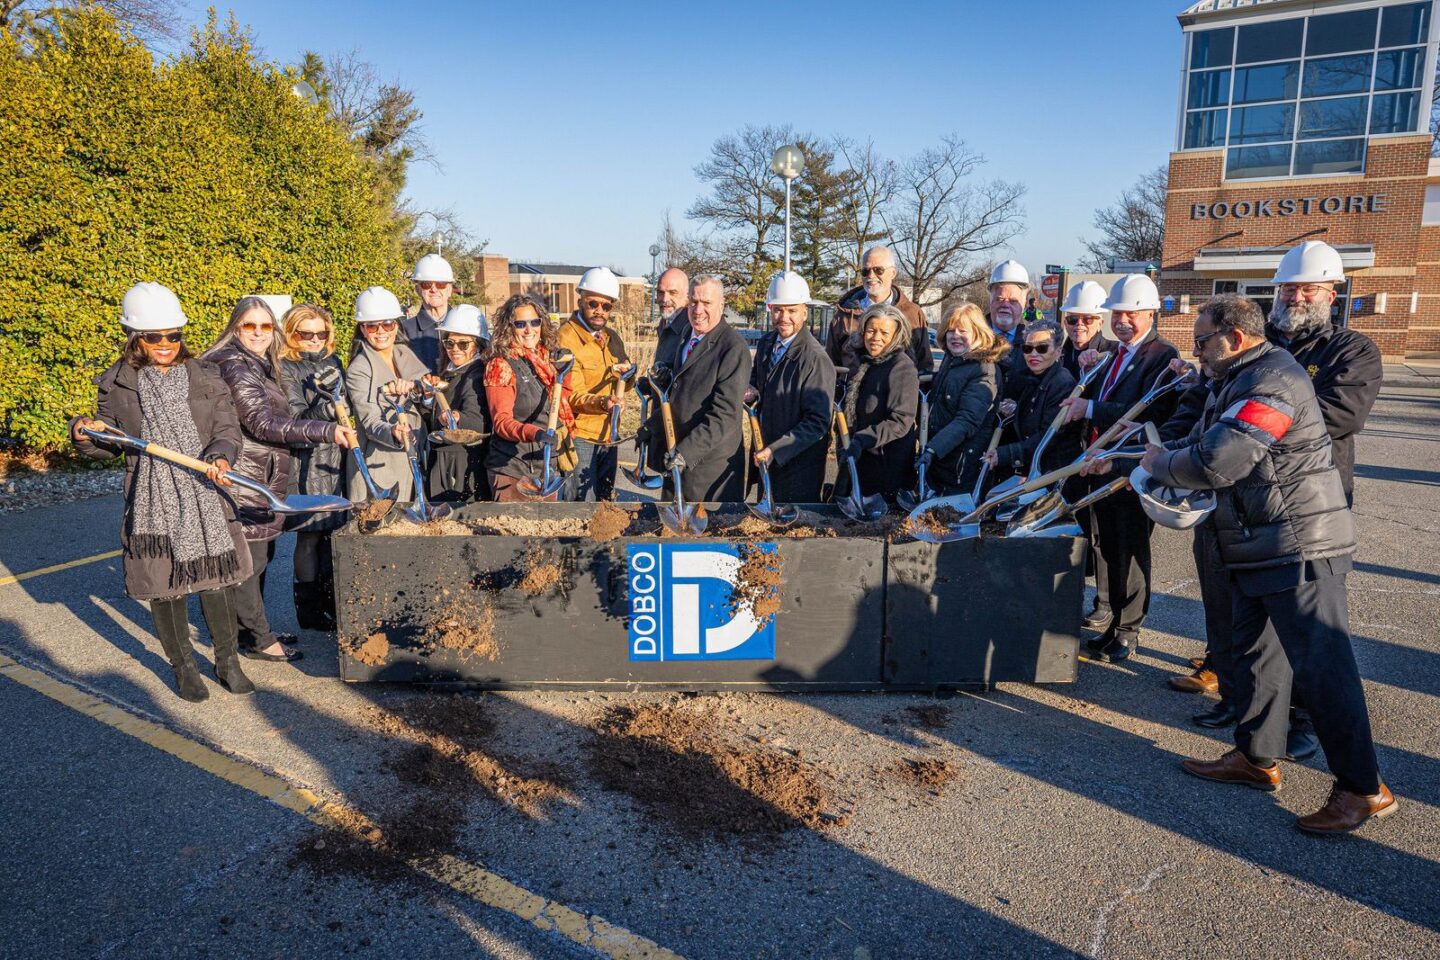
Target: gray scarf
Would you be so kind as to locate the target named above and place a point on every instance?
(177, 514)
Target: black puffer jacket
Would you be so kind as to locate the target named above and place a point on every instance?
(964, 405)
(1037, 400)
(457, 473)
(1262, 445)
(269, 430)
(318, 467)
(880, 403)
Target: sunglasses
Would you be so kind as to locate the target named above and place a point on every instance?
(604, 306)
(1035, 348)
(522, 324)
(1072, 320)
(386, 325)
(258, 327)
(155, 339)
(457, 343)
(1200, 341)
(319, 335)
(873, 271)
(433, 285)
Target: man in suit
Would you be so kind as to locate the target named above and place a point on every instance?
(792, 384)
(1122, 528)
(672, 296)
(709, 369)
(434, 283)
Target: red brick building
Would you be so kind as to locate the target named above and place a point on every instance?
(1300, 120)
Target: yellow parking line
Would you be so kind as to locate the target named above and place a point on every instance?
(55, 568)
(477, 883)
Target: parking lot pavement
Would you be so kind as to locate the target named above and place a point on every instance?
(1064, 828)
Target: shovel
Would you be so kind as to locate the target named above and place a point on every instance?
(1046, 525)
(293, 504)
(453, 432)
(387, 497)
(639, 476)
(908, 499)
(551, 481)
(780, 515)
(618, 392)
(855, 505)
(680, 518)
(961, 502)
(421, 510)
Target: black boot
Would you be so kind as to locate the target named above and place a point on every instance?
(219, 609)
(310, 610)
(172, 627)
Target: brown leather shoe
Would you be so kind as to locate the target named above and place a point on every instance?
(1196, 663)
(1235, 767)
(1345, 811)
(1201, 681)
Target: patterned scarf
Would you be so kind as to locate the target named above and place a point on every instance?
(177, 514)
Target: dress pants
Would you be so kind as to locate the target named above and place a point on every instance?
(1310, 648)
(255, 629)
(1122, 542)
(594, 478)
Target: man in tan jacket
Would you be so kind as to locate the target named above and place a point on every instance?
(600, 358)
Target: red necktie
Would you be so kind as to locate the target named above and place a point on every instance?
(1114, 373)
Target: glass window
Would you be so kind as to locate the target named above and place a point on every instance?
(1275, 40)
(1209, 89)
(1399, 69)
(1274, 82)
(1344, 117)
(1263, 124)
(1431, 215)
(1338, 32)
(1330, 156)
(1211, 48)
(1204, 128)
(1395, 112)
(1324, 78)
(1227, 286)
(1404, 25)
(1244, 162)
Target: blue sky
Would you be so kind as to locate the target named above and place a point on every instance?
(565, 130)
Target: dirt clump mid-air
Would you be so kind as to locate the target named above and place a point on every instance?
(705, 781)
(925, 774)
(372, 651)
(372, 511)
(758, 583)
(466, 627)
(608, 522)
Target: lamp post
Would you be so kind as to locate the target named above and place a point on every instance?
(787, 163)
(650, 308)
(303, 90)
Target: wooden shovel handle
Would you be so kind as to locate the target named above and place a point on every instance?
(755, 431)
(164, 453)
(1115, 428)
(668, 420)
(995, 439)
(555, 394)
(843, 427)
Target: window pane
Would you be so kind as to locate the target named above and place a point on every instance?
(1399, 69)
(1395, 112)
(1400, 26)
(1244, 162)
(1339, 32)
(1334, 75)
(1211, 48)
(1430, 217)
(1331, 156)
(1332, 118)
(1275, 82)
(1276, 40)
(1204, 128)
(1209, 89)
(1262, 124)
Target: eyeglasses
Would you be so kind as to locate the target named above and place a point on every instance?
(386, 325)
(873, 271)
(1035, 348)
(1073, 319)
(1304, 289)
(258, 327)
(458, 343)
(522, 324)
(317, 335)
(433, 285)
(1200, 341)
(604, 306)
(155, 339)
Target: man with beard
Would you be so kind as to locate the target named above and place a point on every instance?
(600, 359)
(672, 296)
(1009, 284)
(434, 282)
(877, 285)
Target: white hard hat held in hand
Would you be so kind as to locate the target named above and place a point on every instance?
(377, 303)
(434, 268)
(600, 280)
(1010, 271)
(467, 319)
(1086, 297)
(1314, 261)
(787, 288)
(151, 306)
(1171, 506)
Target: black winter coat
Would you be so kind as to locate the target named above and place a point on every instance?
(1263, 447)
(457, 473)
(795, 409)
(268, 428)
(1070, 356)
(843, 341)
(422, 335)
(1346, 370)
(1037, 400)
(1014, 362)
(317, 467)
(964, 408)
(883, 394)
(1188, 411)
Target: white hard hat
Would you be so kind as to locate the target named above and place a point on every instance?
(787, 288)
(1134, 291)
(1314, 261)
(278, 303)
(377, 303)
(151, 306)
(1086, 297)
(1010, 271)
(1172, 507)
(601, 281)
(467, 319)
(435, 268)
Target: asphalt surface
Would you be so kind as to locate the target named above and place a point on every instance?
(1068, 830)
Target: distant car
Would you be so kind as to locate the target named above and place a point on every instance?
(752, 336)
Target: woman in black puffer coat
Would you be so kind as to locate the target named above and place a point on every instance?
(881, 396)
(964, 400)
(310, 372)
(1037, 394)
(248, 358)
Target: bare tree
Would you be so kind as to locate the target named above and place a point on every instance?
(149, 20)
(942, 223)
(1132, 228)
(381, 117)
(872, 182)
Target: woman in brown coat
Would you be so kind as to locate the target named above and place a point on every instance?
(179, 535)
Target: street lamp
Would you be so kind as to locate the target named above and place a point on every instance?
(303, 90)
(787, 163)
(437, 240)
(650, 311)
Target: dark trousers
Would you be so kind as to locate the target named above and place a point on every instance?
(1215, 591)
(250, 598)
(1122, 542)
(594, 478)
(1310, 648)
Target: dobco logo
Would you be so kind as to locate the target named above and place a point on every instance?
(681, 605)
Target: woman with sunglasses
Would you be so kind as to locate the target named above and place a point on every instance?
(179, 535)
(457, 472)
(519, 376)
(1037, 393)
(248, 355)
(381, 370)
(310, 372)
(964, 399)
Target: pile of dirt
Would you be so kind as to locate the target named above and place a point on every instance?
(706, 782)
(934, 522)
(372, 651)
(466, 627)
(927, 774)
(751, 527)
(546, 527)
(402, 527)
(758, 583)
(373, 511)
(931, 717)
(542, 574)
(380, 851)
(608, 522)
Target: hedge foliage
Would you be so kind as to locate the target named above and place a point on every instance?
(205, 173)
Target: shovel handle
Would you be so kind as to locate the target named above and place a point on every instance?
(555, 393)
(755, 431)
(668, 420)
(843, 427)
(164, 453)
